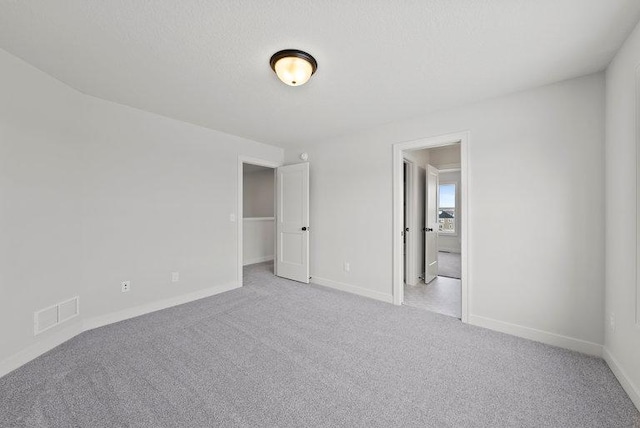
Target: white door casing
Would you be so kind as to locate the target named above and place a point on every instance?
(292, 222)
(431, 225)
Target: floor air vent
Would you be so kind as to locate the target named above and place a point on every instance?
(50, 317)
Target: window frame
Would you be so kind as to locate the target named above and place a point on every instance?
(456, 196)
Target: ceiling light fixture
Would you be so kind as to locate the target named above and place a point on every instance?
(293, 67)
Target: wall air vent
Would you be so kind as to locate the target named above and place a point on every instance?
(51, 316)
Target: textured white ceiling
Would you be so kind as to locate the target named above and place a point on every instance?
(207, 61)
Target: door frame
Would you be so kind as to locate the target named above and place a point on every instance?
(239, 210)
(398, 201)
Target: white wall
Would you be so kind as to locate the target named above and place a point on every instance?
(40, 231)
(158, 194)
(93, 193)
(528, 152)
(258, 235)
(258, 193)
(623, 343)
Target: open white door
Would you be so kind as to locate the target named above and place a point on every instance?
(292, 216)
(431, 225)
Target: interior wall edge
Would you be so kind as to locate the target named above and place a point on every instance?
(622, 335)
(632, 390)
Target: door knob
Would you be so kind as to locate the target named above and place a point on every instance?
(428, 229)
(304, 228)
(407, 229)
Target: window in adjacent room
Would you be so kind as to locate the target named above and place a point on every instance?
(447, 208)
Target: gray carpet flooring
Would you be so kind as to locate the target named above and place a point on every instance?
(449, 265)
(279, 353)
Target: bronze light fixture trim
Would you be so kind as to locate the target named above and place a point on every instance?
(294, 67)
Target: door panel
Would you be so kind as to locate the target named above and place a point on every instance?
(431, 224)
(291, 245)
(292, 227)
(292, 183)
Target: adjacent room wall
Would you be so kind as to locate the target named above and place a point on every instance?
(258, 240)
(444, 158)
(258, 234)
(530, 274)
(441, 157)
(94, 193)
(622, 348)
(258, 193)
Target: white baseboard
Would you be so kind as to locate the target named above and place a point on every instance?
(136, 311)
(632, 390)
(388, 298)
(55, 338)
(258, 260)
(43, 345)
(549, 338)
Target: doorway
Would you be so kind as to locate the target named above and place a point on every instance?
(255, 213)
(273, 218)
(438, 286)
(431, 176)
(258, 214)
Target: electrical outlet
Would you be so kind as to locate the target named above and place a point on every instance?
(612, 322)
(232, 218)
(175, 276)
(347, 266)
(126, 286)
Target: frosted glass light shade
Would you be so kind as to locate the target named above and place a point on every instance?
(293, 71)
(293, 67)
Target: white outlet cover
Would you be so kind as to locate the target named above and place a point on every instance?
(612, 322)
(175, 276)
(126, 286)
(232, 217)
